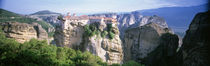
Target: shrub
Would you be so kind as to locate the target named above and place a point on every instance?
(60, 17)
(39, 53)
(97, 32)
(88, 31)
(111, 35)
(104, 33)
(91, 30)
(110, 29)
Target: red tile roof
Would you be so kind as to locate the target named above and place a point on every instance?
(85, 17)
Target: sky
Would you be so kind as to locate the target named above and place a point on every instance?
(91, 6)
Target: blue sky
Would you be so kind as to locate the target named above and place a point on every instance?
(91, 6)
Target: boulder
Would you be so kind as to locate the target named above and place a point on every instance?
(139, 42)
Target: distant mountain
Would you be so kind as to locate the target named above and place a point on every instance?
(178, 18)
(7, 16)
(44, 12)
(5, 13)
(46, 15)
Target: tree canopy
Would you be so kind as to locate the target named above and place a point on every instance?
(39, 53)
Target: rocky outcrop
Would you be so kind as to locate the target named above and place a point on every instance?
(76, 37)
(24, 32)
(195, 50)
(165, 53)
(139, 42)
(41, 33)
(71, 37)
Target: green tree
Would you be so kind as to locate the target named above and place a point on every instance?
(39, 53)
(111, 35)
(104, 33)
(110, 31)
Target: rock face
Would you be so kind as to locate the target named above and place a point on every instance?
(135, 19)
(41, 33)
(71, 37)
(24, 32)
(165, 53)
(139, 42)
(109, 50)
(195, 50)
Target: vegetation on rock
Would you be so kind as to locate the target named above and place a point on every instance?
(104, 33)
(60, 17)
(110, 31)
(92, 29)
(38, 53)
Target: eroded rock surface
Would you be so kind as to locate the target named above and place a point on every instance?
(165, 53)
(109, 50)
(195, 50)
(24, 32)
(139, 42)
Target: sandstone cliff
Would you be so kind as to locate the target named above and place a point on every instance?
(89, 38)
(24, 32)
(195, 50)
(139, 42)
